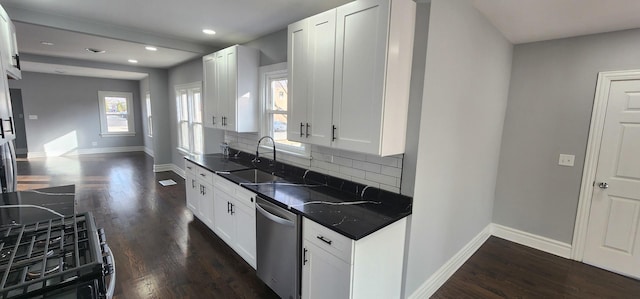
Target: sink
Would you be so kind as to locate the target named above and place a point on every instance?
(255, 176)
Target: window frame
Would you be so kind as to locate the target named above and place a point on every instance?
(104, 129)
(147, 100)
(268, 73)
(190, 89)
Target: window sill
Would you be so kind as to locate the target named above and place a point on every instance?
(303, 155)
(118, 134)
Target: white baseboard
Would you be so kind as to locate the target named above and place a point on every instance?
(169, 167)
(86, 151)
(438, 278)
(530, 240)
(149, 152)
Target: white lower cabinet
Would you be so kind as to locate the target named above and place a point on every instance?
(334, 266)
(199, 193)
(235, 218)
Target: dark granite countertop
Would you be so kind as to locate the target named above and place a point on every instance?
(351, 209)
(60, 199)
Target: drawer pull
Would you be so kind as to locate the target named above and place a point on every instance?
(323, 239)
(189, 167)
(203, 175)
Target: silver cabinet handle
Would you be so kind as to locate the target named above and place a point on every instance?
(603, 185)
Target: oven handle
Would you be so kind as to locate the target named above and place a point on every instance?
(273, 217)
(112, 280)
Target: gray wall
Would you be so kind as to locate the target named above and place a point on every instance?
(273, 47)
(468, 64)
(549, 111)
(148, 141)
(67, 104)
(158, 81)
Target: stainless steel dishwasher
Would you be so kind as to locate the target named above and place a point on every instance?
(278, 245)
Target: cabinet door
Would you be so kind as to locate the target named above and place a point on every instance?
(297, 42)
(206, 208)
(222, 87)
(224, 226)
(361, 38)
(321, 48)
(323, 275)
(211, 114)
(245, 219)
(193, 193)
(231, 81)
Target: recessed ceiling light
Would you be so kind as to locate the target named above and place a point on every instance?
(46, 43)
(94, 50)
(151, 48)
(133, 61)
(208, 31)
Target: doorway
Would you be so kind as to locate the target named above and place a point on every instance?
(607, 233)
(18, 120)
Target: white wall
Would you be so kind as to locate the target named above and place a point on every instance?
(466, 85)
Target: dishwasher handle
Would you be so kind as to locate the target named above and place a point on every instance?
(273, 217)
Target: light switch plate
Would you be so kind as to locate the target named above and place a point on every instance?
(31, 116)
(566, 160)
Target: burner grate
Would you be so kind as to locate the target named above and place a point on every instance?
(39, 257)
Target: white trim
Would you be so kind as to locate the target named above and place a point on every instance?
(591, 159)
(87, 151)
(149, 152)
(435, 281)
(545, 244)
(104, 130)
(169, 167)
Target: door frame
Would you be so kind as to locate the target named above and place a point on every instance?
(596, 129)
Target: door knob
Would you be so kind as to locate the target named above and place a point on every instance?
(603, 185)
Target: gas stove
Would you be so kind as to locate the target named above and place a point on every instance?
(56, 258)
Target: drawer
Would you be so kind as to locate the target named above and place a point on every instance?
(330, 241)
(190, 167)
(245, 197)
(204, 175)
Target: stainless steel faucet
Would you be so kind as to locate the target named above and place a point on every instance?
(273, 142)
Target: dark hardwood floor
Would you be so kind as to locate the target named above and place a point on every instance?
(161, 252)
(503, 269)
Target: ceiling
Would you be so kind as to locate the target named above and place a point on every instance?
(124, 27)
(523, 21)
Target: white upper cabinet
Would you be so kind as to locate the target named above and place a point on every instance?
(354, 61)
(9, 47)
(231, 89)
(311, 62)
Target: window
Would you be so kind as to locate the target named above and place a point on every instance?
(116, 113)
(147, 97)
(190, 126)
(274, 93)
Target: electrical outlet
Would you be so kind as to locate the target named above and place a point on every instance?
(566, 160)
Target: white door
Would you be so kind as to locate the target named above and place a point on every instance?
(613, 233)
(206, 205)
(210, 91)
(324, 275)
(222, 219)
(245, 220)
(192, 187)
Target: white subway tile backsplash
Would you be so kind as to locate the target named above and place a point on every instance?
(380, 172)
(352, 155)
(382, 179)
(387, 161)
(342, 161)
(325, 165)
(391, 171)
(370, 167)
(352, 172)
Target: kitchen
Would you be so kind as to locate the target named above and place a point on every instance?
(483, 141)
